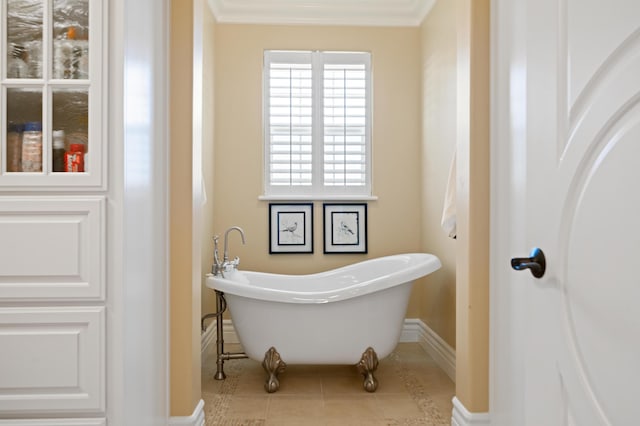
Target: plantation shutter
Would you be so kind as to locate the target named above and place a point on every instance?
(317, 118)
(345, 120)
(290, 118)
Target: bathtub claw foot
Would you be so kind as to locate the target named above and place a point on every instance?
(367, 365)
(273, 365)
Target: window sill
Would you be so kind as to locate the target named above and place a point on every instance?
(317, 198)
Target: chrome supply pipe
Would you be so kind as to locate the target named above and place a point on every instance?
(221, 356)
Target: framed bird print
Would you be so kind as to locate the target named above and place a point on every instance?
(345, 228)
(290, 228)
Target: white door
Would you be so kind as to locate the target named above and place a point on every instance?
(572, 72)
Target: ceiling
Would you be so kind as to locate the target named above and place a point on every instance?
(322, 12)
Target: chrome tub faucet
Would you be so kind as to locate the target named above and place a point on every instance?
(218, 267)
(226, 242)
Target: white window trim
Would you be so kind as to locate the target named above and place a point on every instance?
(317, 191)
(317, 197)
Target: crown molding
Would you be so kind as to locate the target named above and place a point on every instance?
(408, 13)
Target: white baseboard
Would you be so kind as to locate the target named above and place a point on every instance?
(209, 336)
(463, 417)
(195, 419)
(413, 330)
(443, 354)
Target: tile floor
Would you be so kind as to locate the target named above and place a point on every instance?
(412, 390)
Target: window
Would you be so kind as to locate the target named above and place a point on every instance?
(317, 109)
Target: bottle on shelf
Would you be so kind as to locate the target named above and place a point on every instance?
(83, 60)
(34, 58)
(70, 56)
(63, 54)
(14, 147)
(58, 151)
(32, 147)
(74, 158)
(17, 66)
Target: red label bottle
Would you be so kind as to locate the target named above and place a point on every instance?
(74, 158)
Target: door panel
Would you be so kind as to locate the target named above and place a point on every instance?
(583, 146)
(52, 360)
(52, 248)
(597, 259)
(601, 286)
(598, 33)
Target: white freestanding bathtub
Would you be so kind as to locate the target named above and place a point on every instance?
(350, 315)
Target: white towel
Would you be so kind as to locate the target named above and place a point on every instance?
(449, 211)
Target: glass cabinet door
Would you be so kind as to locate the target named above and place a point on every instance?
(52, 93)
(24, 25)
(70, 39)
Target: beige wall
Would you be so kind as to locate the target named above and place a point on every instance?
(472, 267)
(208, 130)
(439, 49)
(394, 219)
(455, 76)
(185, 265)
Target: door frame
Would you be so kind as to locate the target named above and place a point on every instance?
(138, 228)
(507, 213)
(508, 210)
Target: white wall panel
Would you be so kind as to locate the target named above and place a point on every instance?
(52, 248)
(52, 360)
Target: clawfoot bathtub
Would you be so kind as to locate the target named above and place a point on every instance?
(350, 315)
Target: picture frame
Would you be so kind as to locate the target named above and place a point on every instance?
(290, 228)
(345, 228)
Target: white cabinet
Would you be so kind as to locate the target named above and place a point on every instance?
(55, 422)
(52, 62)
(52, 360)
(53, 212)
(53, 248)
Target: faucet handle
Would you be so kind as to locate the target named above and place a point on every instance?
(231, 265)
(217, 266)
